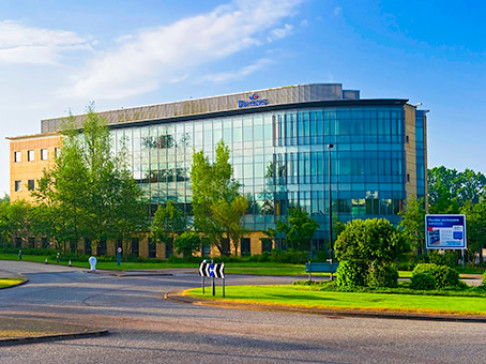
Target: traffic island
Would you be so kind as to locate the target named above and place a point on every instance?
(333, 312)
(17, 331)
(11, 282)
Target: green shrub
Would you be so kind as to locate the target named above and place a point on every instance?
(352, 273)
(291, 256)
(423, 281)
(448, 258)
(383, 276)
(444, 276)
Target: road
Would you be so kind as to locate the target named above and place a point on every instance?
(145, 328)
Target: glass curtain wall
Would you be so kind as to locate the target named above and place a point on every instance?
(281, 160)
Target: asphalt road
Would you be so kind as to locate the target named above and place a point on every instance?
(145, 328)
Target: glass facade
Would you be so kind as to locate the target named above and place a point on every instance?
(281, 159)
(420, 126)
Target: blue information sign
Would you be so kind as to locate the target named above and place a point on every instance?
(445, 231)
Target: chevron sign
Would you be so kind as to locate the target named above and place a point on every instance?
(207, 269)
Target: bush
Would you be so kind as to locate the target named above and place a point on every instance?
(352, 273)
(291, 256)
(448, 258)
(383, 276)
(444, 276)
(484, 279)
(423, 281)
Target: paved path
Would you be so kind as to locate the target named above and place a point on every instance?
(145, 328)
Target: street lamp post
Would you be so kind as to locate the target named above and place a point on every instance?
(331, 250)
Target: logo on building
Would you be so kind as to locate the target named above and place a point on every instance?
(254, 101)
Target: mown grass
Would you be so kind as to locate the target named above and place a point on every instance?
(307, 297)
(6, 282)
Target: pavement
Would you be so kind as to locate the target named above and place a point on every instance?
(16, 331)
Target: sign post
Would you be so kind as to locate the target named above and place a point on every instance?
(446, 232)
(208, 268)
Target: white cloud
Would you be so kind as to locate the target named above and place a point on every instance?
(145, 60)
(280, 33)
(245, 71)
(23, 44)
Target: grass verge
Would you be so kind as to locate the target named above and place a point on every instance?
(307, 297)
(7, 282)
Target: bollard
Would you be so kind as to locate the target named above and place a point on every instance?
(92, 262)
(45, 261)
(69, 263)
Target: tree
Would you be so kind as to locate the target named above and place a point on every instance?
(366, 250)
(62, 190)
(187, 243)
(90, 187)
(18, 223)
(476, 229)
(217, 204)
(413, 223)
(299, 230)
(449, 190)
(168, 221)
(130, 210)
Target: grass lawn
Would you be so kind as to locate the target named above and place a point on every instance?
(5, 282)
(302, 296)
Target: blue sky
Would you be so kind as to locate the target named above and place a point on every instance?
(57, 56)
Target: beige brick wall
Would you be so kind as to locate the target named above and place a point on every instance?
(30, 170)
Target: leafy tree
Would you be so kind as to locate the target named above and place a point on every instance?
(90, 187)
(299, 229)
(442, 190)
(369, 246)
(18, 223)
(413, 223)
(63, 191)
(5, 233)
(188, 243)
(476, 229)
(450, 189)
(130, 210)
(217, 204)
(168, 221)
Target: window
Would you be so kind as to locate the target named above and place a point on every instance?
(17, 157)
(44, 243)
(31, 184)
(87, 246)
(152, 249)
(43, 154)
(57, 152)
(135, 247)
(18, 185)
(245, 247)
(30, 155)
(101, 248)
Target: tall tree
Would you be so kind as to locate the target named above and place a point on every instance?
(476, 229)
(413, 223)
(18, 222)
(91, 187)
(449, 189)
(299, 230)
(169, 221)
(218, 206)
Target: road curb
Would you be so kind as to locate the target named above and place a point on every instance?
(177, 296)
(39, 339)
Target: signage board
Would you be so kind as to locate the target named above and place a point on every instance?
(445, 231)
(254, 101)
